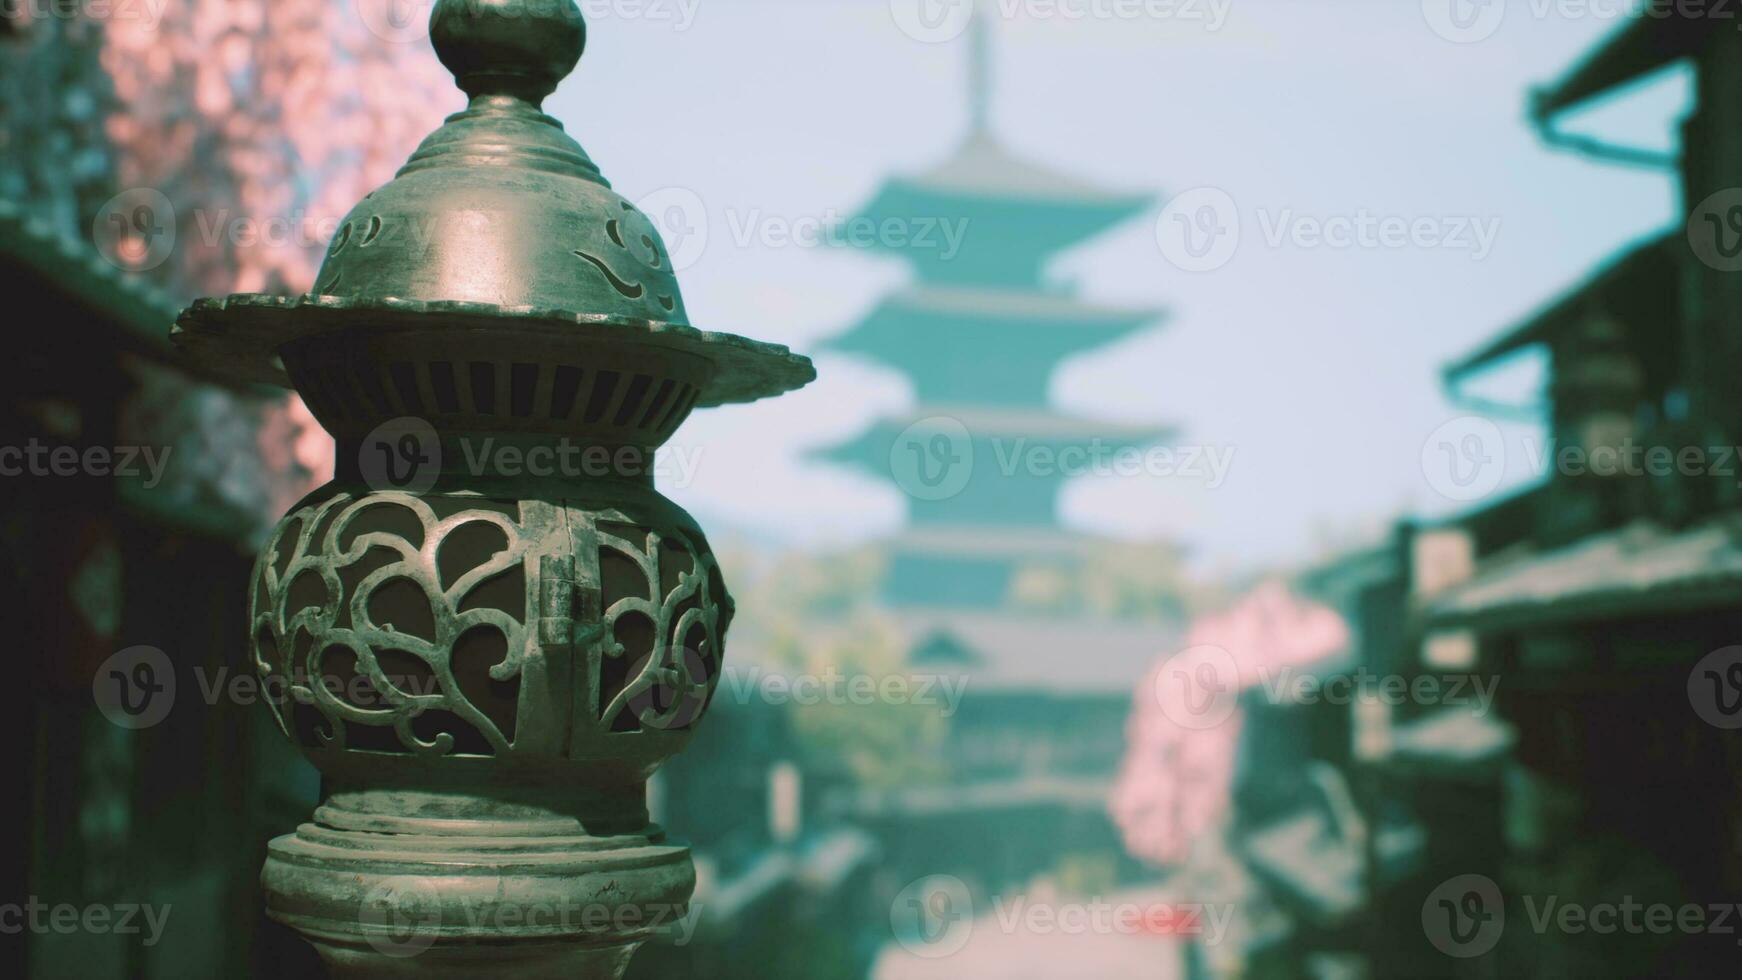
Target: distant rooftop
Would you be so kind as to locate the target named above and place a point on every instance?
(1636, 569)
(1047, 653)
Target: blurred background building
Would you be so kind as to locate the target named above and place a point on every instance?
(985, 586)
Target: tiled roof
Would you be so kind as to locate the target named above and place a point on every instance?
(1619, 573)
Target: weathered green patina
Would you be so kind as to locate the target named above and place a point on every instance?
(486, 665)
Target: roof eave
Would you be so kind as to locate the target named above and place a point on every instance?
(1642, 47)
(1543, 324)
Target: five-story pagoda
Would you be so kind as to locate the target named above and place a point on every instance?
(982, 458)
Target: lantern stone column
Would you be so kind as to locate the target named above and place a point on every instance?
(490, 629)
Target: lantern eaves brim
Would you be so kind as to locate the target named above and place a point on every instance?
(241, 334)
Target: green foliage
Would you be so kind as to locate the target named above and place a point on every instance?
(816, 617)
(1117, 579)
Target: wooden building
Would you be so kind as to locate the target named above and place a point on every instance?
(1594, 596)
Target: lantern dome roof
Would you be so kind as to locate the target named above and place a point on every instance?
(498, 220)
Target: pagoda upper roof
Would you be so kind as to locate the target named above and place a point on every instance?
(983, 167)
(994, 189)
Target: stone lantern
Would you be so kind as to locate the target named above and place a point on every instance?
(489, 629)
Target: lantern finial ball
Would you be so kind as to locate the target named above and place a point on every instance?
(520, 48)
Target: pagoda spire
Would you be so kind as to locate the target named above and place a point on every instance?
(980, 70)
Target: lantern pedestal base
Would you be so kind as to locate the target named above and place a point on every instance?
(557, 962)
(506, 896)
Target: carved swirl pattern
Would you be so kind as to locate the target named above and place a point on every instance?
(318, 586)
(670, 667)
(635, 237)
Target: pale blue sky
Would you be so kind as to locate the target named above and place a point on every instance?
(1317, 366)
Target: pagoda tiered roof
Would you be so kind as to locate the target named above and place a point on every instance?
(1082, 324)
(983, 168)
(980, 333)
(1011, 214)
(985, 424)
(999, 346)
